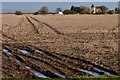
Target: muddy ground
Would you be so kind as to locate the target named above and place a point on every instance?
(59, 45)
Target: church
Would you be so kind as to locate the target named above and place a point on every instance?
(96, 9)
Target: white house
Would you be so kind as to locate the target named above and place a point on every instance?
(60, 13)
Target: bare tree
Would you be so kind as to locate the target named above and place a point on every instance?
(58, 10)
(44, 10)
(84, 10)
(104, 9)
(18, 13)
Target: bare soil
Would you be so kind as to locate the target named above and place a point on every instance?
(69, 43)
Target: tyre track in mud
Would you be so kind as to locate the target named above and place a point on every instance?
(19, 24)
(51, 58)
(17, 68)
(69, 38)
(23, 60)
(54, 66)
(49, 26)
(53, 63)
(35, 29)
(74, 59)
(37, 65)
(63, 55)
(41, 59)
(8, 37)
(26, 62)
(67, 60)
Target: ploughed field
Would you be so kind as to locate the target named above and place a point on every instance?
(59, 45)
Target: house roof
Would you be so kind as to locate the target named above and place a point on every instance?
(98, 7)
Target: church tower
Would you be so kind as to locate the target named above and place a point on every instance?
(93, 9)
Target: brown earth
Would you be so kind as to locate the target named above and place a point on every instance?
(70, 43)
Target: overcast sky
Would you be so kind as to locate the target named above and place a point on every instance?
(60, 0)
(35, 6)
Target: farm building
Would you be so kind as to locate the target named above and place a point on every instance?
(96, 9)
(60, 13)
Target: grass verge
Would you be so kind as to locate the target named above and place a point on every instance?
(74, 78)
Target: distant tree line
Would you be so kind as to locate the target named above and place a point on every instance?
(43, 10)
(87, 10)
(18, 13)
(73, 10)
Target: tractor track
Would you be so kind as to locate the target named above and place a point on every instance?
(49, 63)
(26, 62)
(35, 29)
(12, 65)
(49, 26)
(37, 65)
(58, 62)
(74, 60)
(8, 37)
